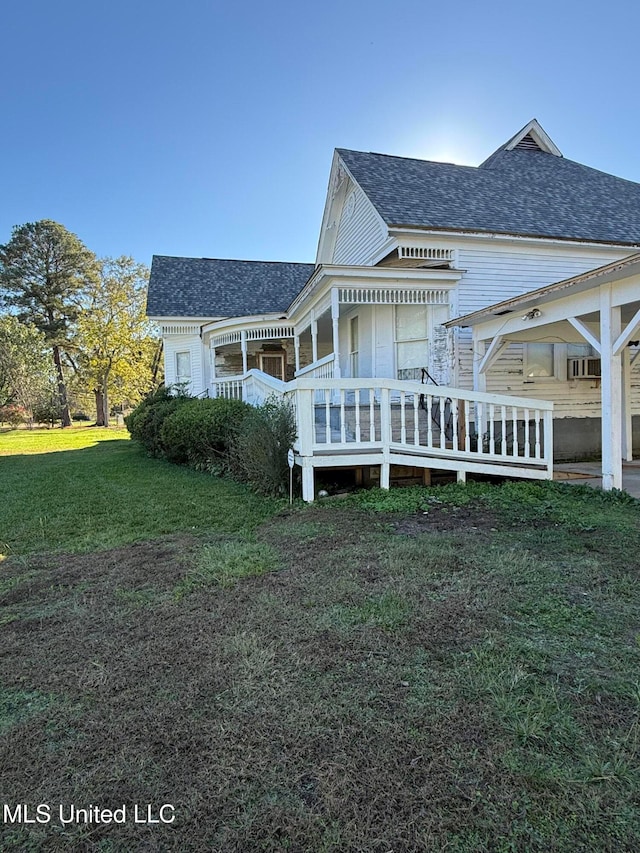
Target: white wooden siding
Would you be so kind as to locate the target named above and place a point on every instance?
(360, 234)
(501, 272)
(185, 343)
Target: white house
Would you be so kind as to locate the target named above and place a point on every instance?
(406, 247)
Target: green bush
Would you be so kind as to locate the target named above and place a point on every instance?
(259, 455)
(146, 420)
(201, 432)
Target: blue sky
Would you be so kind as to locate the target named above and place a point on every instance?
(203, 128)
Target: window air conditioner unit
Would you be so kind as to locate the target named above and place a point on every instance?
(584, 368)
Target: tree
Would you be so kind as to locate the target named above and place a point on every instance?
(25, 370)
(43, 271)
(116, 347)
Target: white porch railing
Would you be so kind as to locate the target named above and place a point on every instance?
(352, 422)
(324, 368)
(253, 387)
(230, 387)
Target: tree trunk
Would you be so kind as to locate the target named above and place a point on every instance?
(99, 406)
(65, 414)
(105, 403)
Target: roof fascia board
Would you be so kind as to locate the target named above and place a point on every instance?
(330, 202)
(324, 236)
(251, 320)
(398, 231)
(175, 318)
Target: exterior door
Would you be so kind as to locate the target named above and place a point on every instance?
(273, 364)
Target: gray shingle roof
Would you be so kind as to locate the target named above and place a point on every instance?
(206, 287)
(513, 192)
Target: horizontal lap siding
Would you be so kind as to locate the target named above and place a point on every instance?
(493, 276)
(360, 234)
(184, 343)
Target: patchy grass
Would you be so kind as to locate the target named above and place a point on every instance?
(225, 563)
(446, 669)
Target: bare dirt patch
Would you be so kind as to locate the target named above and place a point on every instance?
(323, 706)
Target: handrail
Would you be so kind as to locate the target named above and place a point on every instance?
(309, 368)
(420, 389)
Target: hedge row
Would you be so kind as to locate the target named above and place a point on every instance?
(224, 437)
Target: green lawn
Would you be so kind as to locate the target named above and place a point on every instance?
(445, 669)
(86, 488)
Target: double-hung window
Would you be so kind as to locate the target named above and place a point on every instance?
(183, 367)
(411, 334)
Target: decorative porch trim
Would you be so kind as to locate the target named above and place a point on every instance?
(226, 338)
(256, 334)
(389, 296)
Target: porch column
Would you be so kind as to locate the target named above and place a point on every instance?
(314, 337)
(478, 350)
(212, 357)
(627, 432)
(335, 316)
(296, 347)
(611, 392)
(243, 346)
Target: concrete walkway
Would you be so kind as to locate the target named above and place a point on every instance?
(590, 474)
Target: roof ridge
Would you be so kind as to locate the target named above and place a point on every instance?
(234, 260)
(402, 157)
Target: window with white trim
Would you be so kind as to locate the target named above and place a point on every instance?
(542, 361)
(353, 347)
(411, 333)
(183, 367)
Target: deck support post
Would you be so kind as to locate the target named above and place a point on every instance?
(386, 436)
(461, 476)
(308, 485)
(627, 432)
(611, 390)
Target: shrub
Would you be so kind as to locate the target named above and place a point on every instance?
(146, 420)
(48, 410)
(260, 448)
(13, 414)
(201, 432)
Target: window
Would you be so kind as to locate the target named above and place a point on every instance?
(412, 352)
(183, 367)
(539, 361)
(353, 347)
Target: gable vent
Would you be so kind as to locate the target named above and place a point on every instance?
(528, 143)
(427, 254)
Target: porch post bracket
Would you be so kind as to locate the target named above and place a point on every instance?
(630, 330)
(496, 347)
(586, 333)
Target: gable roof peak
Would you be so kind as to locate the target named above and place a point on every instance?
(532, 137)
